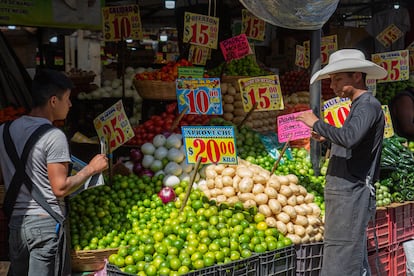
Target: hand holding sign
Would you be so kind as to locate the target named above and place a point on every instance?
(295, 126)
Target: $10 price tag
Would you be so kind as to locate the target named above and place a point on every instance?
(263, 90)
(121, 22)
(212, 144)
(113, 126)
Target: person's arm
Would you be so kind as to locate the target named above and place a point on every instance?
(63, 185)
(404, 114)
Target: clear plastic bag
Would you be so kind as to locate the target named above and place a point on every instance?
(293, 14)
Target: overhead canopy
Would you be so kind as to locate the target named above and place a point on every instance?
(293, 14)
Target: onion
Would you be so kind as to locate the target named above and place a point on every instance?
(135, 155)
(167, 194)
(146, 172)
(137, 168)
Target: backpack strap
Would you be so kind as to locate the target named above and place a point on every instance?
(20, 176)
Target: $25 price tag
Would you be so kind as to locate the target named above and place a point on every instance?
(212, 144)
(113, 126)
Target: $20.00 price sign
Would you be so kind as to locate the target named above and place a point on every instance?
(113, 126)
(263, 90)
(213, 144)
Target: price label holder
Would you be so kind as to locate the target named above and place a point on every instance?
(200, 95)
(388, 129)
(289, 129)
(213, 144)
(121, 22)
(199, 54)
(389, 35)
(264, 90)
(190, 72)
(113, 126)
(201, 30)
(235, 47)
(396, 63)
(253, 26)
(336, 110)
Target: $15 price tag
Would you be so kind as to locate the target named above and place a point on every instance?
(200, 30)
(113, 126)
(212, 144)
(265, 91)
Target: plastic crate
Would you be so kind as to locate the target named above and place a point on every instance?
(207, 271)
(113, 270)
(382, 226)
(4, 237)
(402, 222)
(244, 267)
(384, 262)
(309, 259)
(398, 261)
(278, 262)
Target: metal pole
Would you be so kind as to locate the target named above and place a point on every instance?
(315, 95)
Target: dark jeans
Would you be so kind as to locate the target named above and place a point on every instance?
(33, 245)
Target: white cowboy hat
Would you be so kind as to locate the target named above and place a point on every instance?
(349, 60)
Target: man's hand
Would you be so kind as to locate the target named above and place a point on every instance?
(308, 118)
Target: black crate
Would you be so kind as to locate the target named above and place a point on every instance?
(113, 270)
(207, 271)
(244, 267)
(309, 259)
(278, 262)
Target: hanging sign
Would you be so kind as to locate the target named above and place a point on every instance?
(300, 56)
(113, 126)
(290, 129)
(198, 54)
(252, 26)
(201, 30)
(389, 35)
(329, 44)
(121, 22)
(214, 144)
(371, 86)
(336, 110)
(396, 63)
(388, 129)
(201, 96)
(187, 72)
(264, 90)
(410, 48)
(235, 47)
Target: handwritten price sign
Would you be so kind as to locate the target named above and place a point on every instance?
(121, 22)
(201, 96)
(289, 129)
(235, 47)
(388, 36)
(253, 26)
(113, 126)
(198, 54)
(396, 63)
(201, 30)
(336, 110)
(213, 144)
(263, 90)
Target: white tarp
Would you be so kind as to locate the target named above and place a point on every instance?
(293, 14)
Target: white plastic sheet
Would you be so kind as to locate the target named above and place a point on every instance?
(293, 14)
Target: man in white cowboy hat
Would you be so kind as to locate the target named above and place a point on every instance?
(354, 162)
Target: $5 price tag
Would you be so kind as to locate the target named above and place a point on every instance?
(212, 144)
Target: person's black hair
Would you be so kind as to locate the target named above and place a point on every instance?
(47, 83)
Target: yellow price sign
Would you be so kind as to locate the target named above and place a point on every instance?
(336, 110)
(396, 63)
(198, 54)
(300, 58)
(201, 30)
(113, 126)
(252, 26)
(329, 44)
(212, 144)
(121, 22)
(388, 129)
(264, 90)
(389, 35)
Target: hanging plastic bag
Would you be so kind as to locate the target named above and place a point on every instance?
(293, 14)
